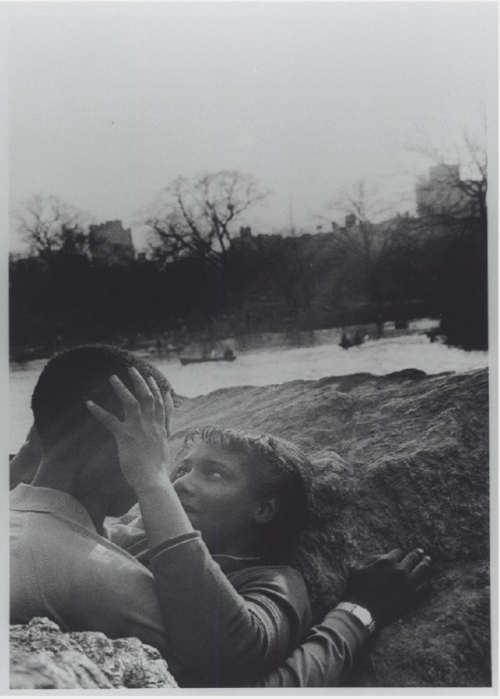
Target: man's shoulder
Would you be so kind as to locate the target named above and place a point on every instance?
(59, 528)
(62, 568)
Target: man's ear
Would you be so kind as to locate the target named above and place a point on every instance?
(24, 464)
(34, 443)
(266, 510)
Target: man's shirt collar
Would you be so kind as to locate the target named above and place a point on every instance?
(30, 498)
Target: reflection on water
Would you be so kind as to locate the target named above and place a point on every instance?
(278, 363)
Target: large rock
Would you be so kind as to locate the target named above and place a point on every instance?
(401, 461)
(42, 657)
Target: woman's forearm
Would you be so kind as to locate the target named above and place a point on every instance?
(239, 632)
(162, 514)
(324, 659)
(144, 455)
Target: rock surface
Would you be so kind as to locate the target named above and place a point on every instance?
(401, 461)
(42, 657)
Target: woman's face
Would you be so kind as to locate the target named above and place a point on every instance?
(219, 492)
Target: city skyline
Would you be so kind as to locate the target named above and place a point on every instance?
(108, 104)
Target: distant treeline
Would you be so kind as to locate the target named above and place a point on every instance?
(403, 268)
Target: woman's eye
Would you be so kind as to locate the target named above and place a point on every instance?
(181, 471)
(213, 473)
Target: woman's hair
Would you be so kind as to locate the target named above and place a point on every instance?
(283, 470)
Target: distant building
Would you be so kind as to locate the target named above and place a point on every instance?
(245, 233)
(350, 221)
(110, 243)
(441, 193)
(247, 242)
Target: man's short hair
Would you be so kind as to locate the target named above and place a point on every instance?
(72, 377)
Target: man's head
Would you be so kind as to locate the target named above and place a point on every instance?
(62, 420)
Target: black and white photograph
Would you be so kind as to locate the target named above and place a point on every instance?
(252, 328)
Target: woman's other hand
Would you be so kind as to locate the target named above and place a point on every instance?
(389, 585)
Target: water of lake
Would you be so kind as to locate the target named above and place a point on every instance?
(316, 358)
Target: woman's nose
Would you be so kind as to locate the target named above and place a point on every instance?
(184, 484)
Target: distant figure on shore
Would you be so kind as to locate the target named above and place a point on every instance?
(228, 354)
(345, 342)
(432, 334)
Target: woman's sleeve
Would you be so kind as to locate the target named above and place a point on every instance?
(130, 537)
(324, 659)
(218, 631)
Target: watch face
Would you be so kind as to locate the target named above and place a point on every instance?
(364, 615)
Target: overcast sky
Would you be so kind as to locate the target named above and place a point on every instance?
(108, 103)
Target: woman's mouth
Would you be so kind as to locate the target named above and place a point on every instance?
(188, 509)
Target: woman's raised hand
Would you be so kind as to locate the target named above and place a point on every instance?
(142, 437)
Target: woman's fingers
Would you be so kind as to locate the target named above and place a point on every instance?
(412, 559)
(159, 403)
(396, 555)
(143, 394)
(107, 419)
(421, 571)
(147, 403)
(128, 401)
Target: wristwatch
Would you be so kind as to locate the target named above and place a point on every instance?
(363, 614)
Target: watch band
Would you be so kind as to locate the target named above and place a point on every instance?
(361, 612)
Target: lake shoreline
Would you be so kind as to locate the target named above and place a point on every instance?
(271, 366)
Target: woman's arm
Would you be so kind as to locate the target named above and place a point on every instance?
(386, 586)
(324, 659)
(144, 456)
(211, 627)
(218, 630)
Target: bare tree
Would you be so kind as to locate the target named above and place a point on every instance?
(292, 268)
(476, 185)
(363, 200)
(54, 233)
(198, 216)
(461, 219)
(364, 237)
(49, 225)
(467, 184)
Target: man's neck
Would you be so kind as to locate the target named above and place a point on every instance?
(60, 475)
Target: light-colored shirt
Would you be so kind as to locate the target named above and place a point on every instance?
(60, 567)
(215, 628)
(205, 623)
